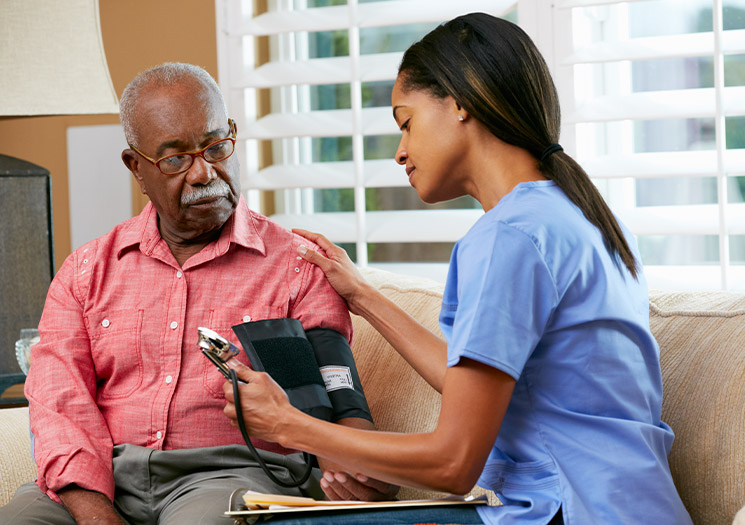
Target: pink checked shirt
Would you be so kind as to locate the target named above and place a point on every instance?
(118, 360)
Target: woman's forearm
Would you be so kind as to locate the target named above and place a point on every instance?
(449, 459)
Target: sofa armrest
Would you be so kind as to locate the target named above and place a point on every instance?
(16, 465)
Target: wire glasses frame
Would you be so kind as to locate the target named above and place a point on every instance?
(212, 153)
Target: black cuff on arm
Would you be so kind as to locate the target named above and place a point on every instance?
(335, 360)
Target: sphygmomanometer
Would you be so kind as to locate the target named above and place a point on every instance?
(315, 368)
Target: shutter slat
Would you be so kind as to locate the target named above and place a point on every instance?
(686, 45)
(316, 19)
(319, 71)
(651, 105)
(567, 4)
(387, 226)
(327, 123)
(690, 277)
(374, 14)
(664, 164)
(698, 219)
(436, 271)
(378, 174)
(425, 11)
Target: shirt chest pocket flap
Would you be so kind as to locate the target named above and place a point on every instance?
(116, 348)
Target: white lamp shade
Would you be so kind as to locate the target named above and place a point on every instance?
(52, 60)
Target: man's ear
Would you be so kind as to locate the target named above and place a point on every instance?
(129, 157)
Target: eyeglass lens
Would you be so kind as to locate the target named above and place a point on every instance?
(218, 151)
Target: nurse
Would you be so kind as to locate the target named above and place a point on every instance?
(550, 377)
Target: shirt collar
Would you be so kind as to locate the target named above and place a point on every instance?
(239, 229)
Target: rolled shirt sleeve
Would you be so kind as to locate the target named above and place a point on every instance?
(72, 441)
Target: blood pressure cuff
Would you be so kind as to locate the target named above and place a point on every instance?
(336, 363)
(315, 368)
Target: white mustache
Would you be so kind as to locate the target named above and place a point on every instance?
(218, 188)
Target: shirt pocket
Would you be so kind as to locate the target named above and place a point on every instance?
(505, 475)
(222, 321)
(117, 353)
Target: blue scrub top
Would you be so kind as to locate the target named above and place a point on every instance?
(533, 291)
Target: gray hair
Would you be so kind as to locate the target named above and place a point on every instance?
(168, 74)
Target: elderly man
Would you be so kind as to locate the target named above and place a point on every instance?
(126, 412)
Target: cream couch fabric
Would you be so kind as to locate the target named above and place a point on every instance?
(702, 351)
(702, 341)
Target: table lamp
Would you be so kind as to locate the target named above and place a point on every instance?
(52, 62)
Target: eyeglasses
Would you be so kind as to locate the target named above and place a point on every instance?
(180, 162)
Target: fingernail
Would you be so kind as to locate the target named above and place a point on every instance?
(324, 483)
(340, 477)
(361, 478)
(302, 250)
(328, 476)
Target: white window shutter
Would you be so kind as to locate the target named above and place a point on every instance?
(599, 52)
(609, 98)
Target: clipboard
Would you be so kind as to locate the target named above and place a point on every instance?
(263, 506)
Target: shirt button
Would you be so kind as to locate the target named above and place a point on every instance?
(159, 434)
(174, 325)
(105, 323)
(246, 318)
(179, 274)
(85, 261)
(297, 269)
(169, 379)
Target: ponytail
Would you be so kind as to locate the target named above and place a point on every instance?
(574, 182)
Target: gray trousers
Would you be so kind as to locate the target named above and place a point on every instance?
(190, 486)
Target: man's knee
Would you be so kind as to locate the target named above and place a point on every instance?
(30, 506)
(200, 507)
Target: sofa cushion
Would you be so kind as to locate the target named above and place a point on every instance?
(16, 465)
(702, 352)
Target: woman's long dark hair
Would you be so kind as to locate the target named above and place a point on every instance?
(494, 71)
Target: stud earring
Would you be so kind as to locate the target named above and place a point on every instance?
(460, 117)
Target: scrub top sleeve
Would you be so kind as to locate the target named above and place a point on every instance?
(504, 297)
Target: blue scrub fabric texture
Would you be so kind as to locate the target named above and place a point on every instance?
(533, 291)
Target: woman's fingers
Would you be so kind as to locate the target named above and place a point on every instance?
(314, 257)
(242, 371)
(317, 238)
(336, 265)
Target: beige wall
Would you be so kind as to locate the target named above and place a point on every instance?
(137, 34)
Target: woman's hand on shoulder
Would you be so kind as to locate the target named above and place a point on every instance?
(340, 271)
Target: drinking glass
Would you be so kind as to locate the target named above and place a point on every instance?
(29, 337)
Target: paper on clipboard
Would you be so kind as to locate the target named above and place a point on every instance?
(258, 504)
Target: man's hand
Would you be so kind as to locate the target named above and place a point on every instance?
(338, 484)
(88, 507)
(343, 486)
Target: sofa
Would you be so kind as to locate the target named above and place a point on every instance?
(702, 342)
